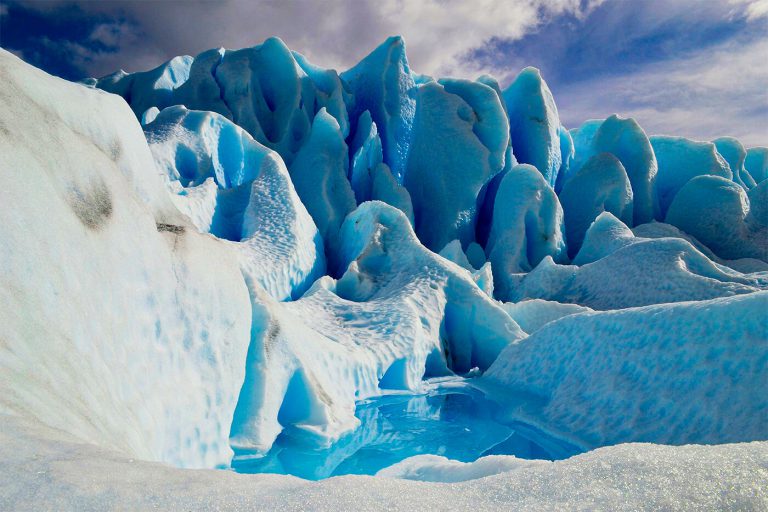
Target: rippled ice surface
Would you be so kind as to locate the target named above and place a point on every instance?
(455, 421)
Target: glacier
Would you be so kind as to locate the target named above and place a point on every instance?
(230, 258)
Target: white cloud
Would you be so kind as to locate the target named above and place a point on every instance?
(702, 96)
(333, 33)
(721, 91)
(755, 9)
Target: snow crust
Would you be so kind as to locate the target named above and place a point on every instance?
(625, 477)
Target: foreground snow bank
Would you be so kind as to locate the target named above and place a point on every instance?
(42, 469)
(120, 323)
(434, 468)
(692, 372)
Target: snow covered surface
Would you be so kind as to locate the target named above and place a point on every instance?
(43, 469)
(246, 246)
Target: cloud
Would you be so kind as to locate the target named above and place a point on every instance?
(334, 33)
(707, 95)
(691, 67)
(755, 9)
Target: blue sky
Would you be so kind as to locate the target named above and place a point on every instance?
(687, 67)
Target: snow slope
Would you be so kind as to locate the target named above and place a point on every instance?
(112, 303)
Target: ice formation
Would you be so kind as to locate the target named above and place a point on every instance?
(681, 160)
(601, 185)
(564, 368)
(460, 129)
(534, 123)
(527, 225)
(239, 246)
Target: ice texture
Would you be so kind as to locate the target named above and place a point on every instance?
(730, 230)
(270, 92)
(619, 270)
(627, 477)
(459, 144)
(436, 468)
(600, 185)
(147, 89)
(734, 153)
(681, 160)
(382, 84)
(527, 225)
(568, 154)
(534, 123)
(584, 385)
(231, 186)
(399, 313)
(756, 163)
(629, 143)
(662, 230)
(319, 173)
(531, 315)
(127, 338)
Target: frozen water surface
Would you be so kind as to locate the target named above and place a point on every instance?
(451, 419)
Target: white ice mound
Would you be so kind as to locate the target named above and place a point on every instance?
(673, 374)
(398, 314)
(636, 272)
(532, 315)
(435, 468)
(120, 324)
(662, 230)
(236, 189)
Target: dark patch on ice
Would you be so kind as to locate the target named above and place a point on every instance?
(271, 339)
(170, 228)
(93, 206)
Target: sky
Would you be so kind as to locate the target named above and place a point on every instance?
(696, 68)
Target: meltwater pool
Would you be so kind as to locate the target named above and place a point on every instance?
(454, 420)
